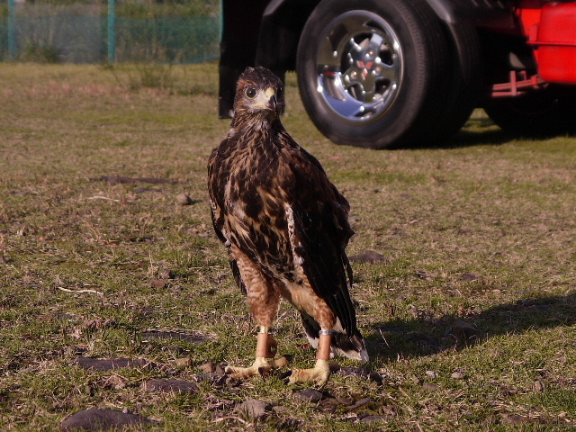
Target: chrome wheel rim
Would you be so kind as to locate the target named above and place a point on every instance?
(359, 66)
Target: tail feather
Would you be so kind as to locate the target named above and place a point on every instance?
(348, 345)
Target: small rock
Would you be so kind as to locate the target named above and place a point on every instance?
(356, 372)
(376, 377)
(368, 256)
(159, 283)
(183, 199)
(213, 377)
(253, 408)
(430, 387)
(423, 274)
(360, 403)
(217, 379)
(458, 375)
(224, 380)
(464, 333)
(231, 382)
(539, 386)
(110, 364)
(389, 411)
(183, 362)
(373, 419)
(115, 382)
(99, 419)
(432, 374)
(310, 395)
(75, 350)
(468, 277)
(174, 349)
(346, 401)
(171, 386)
(208, 367)
(513, 419)
(329, 405)
(280, 410)
(166, 274)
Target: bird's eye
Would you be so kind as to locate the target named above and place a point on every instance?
(251, 92)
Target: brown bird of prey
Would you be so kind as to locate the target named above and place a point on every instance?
(286, 229)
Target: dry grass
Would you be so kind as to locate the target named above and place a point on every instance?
(469, 314)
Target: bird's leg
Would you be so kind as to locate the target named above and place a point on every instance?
(320, 373)
(265, 352)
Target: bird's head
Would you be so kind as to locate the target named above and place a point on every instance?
(259, 92)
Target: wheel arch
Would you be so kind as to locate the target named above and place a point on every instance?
(481, 14)
(280, 29)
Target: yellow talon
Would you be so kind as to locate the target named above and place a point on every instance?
(260, 367)
(318, 375)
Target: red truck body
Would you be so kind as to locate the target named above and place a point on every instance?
(551, 31)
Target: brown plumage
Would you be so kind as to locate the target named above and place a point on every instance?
(285, 226)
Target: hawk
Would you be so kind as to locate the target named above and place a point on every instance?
(286, 228)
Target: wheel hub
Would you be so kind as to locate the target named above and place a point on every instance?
(365, 69)
(360, 65)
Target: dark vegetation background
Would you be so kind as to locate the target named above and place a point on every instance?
(77, 31)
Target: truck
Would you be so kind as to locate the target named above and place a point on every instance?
(399, 73)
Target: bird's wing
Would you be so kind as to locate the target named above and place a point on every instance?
(319, 232)
(215, 184)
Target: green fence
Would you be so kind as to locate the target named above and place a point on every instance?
(85, 32)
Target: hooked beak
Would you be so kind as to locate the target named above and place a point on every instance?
(270, 94)
(266, 100)
(273, 103)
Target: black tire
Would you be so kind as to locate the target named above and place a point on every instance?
(541, 113)
(465, 80)
(406, 102)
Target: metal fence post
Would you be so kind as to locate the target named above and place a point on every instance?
(11, 29)
(111, 31)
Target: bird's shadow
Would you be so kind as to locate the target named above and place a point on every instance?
(424, 336)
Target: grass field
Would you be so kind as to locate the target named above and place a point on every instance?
(468, 305)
